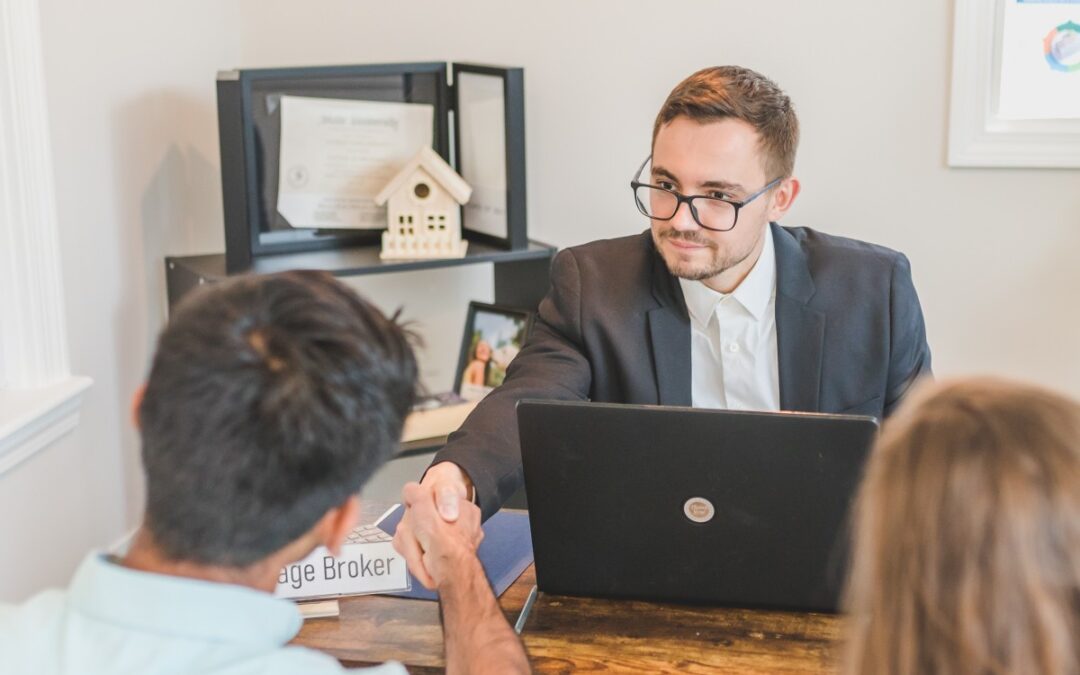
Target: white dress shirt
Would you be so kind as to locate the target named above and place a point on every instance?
(733, 354)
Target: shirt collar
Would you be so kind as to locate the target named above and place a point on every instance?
(754, 293)
(701, 301)
(178, 606)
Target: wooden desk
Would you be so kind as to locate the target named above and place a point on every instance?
(580, 634)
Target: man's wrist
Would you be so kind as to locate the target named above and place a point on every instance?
(470, 489)
(447, 466)
(459, 569)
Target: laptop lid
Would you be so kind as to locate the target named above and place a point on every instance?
(691, 505)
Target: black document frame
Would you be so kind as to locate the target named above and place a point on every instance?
(513, 79)
(249, 168)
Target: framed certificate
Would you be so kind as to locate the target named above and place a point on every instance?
(304, 151)
(250, 104)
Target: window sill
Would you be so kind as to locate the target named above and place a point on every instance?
(31, 419)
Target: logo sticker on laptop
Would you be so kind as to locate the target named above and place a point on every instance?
(699, 509)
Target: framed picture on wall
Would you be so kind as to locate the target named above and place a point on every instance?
(494, 334)
(1016, 84)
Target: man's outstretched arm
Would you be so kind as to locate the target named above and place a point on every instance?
(477, 636)
(551, 365)
(482, 459)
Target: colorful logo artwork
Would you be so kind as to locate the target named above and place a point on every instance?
(1062, 47)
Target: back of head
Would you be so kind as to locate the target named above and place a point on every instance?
(270, 401)
(967, 536)
(734, 92)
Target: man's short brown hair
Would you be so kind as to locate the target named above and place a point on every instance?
(723, 92)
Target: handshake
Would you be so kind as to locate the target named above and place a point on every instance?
(440, 531)
(438, 536)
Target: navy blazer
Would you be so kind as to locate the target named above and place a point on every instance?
(614, 328)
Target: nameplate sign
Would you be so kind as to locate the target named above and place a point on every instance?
(361, 568)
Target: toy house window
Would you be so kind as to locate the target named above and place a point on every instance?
(421, 190)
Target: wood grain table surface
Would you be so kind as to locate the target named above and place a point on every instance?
(570, 634)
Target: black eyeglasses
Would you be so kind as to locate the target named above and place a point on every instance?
(712, 213)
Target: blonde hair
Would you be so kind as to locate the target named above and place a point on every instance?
(967, 536)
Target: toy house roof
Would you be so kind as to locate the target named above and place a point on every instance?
(430, 161)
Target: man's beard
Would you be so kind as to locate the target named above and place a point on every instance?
(717, 264)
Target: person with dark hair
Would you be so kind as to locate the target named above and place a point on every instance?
(716, 305)
(270, 401)
(966, 554)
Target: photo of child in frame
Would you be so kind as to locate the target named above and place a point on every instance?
(493, 337)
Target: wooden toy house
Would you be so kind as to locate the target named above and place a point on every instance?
(423, 209)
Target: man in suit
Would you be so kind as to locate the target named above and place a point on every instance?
(715, 305)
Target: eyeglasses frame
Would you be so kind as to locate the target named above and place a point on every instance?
(689, 200)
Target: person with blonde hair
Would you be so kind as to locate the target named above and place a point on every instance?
(966, 553)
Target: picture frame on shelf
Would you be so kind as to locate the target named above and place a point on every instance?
(485, 98)
(249, 129)
(487, 132)
(494, 334)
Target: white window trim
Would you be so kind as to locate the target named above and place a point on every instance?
(31, 420)
(39, 398)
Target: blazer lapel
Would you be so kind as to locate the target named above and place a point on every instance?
(669, 331)
(800, 329)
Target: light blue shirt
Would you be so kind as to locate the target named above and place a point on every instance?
(114, 619)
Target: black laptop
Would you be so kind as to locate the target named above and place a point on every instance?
(691, 505)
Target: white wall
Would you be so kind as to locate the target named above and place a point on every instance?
(51, 514)
(992, 250)
(131, 94)
(130, 90)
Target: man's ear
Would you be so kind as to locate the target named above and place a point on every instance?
(136, 403)
(783, 197)
(339, 522)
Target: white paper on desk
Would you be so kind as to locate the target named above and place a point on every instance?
(336, 155)
(1040, 60)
